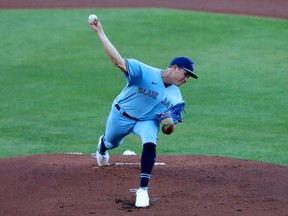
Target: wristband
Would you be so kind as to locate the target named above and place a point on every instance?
(170, 122)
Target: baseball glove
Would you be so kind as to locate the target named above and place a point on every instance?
(175, 112)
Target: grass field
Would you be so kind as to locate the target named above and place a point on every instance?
(57, 84)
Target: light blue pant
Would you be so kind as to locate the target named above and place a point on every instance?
(119, 126)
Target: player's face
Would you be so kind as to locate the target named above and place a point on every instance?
(181, 76)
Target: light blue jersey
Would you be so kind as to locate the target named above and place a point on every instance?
(145, 94)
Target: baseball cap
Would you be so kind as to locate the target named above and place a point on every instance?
(186, 64)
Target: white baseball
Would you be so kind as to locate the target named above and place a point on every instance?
(92, 18)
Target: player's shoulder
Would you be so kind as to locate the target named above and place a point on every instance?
(134, 64)
(132, 61)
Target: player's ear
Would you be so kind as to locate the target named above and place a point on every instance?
(174, 67)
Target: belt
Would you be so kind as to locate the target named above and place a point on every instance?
(125, 114)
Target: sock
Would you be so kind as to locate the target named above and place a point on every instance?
(102, 148)
(147, 162)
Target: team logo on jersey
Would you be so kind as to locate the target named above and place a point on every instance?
(167, 103)
(147, 92)
(153, 94)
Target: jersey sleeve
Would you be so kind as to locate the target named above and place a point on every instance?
(134, 69)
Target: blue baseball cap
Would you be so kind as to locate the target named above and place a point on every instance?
(186, 64)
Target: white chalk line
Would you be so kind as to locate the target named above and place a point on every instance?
(132, 164)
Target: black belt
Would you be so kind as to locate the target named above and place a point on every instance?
(124, 113)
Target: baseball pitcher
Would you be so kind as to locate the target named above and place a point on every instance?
(150, 100)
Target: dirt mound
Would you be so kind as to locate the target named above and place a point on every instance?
(60, 184)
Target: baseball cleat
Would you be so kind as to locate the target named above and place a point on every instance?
(102, 160)
(142, 198)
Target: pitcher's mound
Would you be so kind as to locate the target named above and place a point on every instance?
(60, 184)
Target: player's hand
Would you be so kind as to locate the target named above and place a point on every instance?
(96, 26)
(168, 126)
(167, 121)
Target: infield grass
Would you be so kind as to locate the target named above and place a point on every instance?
(57, 84)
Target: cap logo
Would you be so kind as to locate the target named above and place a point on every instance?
(193, 66)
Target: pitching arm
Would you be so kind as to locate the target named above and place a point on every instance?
(110, 50)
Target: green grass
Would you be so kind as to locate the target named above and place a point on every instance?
(57, 84)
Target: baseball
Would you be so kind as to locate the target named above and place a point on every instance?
(92, 18)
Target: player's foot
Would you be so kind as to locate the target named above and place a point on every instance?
(142, 198)
(102, 159)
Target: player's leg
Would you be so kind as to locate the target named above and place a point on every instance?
(148, 131)
(148, 158)
(117, 127)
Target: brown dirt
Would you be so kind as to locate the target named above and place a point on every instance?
(59, 184)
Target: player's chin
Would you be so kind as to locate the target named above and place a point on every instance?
(180, 83)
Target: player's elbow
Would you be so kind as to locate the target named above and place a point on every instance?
(120, 63)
